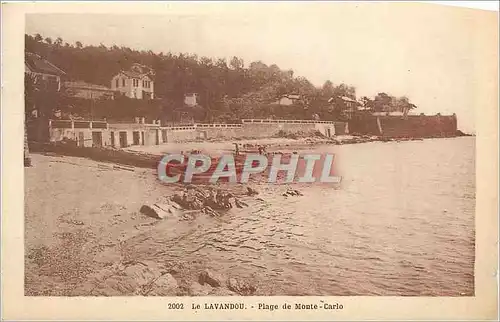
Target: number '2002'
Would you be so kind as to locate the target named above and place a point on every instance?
(176, 306)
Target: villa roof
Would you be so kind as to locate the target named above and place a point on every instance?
(344, 98)
(38, 64)
(134, 74)
(348, 99)
(138, 71)
(291, 96)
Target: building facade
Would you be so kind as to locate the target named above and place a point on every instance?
(87, 133)
(135, 83)
(191, 99)
(46, 75)
(346, 105)
(289, 99)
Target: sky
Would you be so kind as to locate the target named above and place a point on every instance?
(426, 52)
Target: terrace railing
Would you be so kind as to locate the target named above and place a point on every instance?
(286, 121)
(82, 124)
(77, 124)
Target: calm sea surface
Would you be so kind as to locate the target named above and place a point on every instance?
(401, 223)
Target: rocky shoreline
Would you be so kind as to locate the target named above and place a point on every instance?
(149, 278)
(98, 251)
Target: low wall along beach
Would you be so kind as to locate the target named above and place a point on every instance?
(121, 135)
(411, 126)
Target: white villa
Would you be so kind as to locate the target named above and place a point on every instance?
(135, 83)
(191, 99)
(288, 99)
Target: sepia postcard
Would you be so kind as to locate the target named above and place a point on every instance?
(183, 161)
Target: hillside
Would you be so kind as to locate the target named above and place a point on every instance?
(228, 91)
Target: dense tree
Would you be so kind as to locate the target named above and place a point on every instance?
(382, 102)
(367, 102)
(328, 89)
(227, 91)
(236, 63)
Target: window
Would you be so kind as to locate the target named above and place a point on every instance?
(123, 82)
(117, 82)
(135, 82)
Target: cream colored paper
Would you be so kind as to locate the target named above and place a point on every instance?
(484, 102)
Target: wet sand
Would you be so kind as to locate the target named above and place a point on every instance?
(402, 223)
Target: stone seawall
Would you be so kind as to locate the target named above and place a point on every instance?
(219, 131)
(122, 135)
(366, 125)
(419, 126)
(180, 135)
(254, 129)
(98, 134)
(269, 128)
(416, 126)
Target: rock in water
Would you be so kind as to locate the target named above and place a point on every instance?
(158, 211)
(292, 192)
(165, 285)
(142, 274)
(153, 212)
(251, 192)
(209, 211)
(209, 278)
(239, 203)
(169, 207)
(208, 200)
(240, 287)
